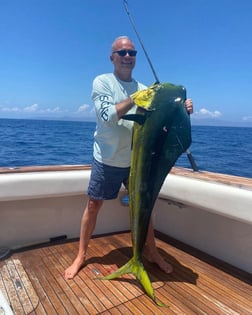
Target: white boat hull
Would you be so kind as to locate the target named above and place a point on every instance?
(213, 216)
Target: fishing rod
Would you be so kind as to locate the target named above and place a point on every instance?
(188, 153)
(140, 40)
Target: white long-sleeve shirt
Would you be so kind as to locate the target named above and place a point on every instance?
(113, 136)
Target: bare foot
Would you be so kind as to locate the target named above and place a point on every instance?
(72, 270)
(160, 261)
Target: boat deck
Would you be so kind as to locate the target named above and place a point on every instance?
(32, 281)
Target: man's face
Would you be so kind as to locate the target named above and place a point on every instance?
(123, 57)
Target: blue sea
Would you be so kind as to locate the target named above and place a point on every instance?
(26, 142)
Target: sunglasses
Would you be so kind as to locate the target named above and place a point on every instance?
(124, 52)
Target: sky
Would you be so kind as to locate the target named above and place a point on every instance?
(51, 50)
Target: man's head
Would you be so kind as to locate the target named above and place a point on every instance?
(123, 56)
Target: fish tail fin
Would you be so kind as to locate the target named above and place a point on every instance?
(137, 269)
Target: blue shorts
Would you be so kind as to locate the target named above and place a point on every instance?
(106, 181)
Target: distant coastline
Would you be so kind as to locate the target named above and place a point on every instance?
(220, 123)
(194, 121)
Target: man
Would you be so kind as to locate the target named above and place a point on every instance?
(112, 147)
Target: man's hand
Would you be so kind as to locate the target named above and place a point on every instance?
(189, 105)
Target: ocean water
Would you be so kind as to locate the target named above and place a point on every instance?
(24, 142)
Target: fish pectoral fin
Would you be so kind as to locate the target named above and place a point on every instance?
(137, 269)
(140, 119)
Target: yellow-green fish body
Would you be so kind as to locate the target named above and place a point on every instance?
(160, 135)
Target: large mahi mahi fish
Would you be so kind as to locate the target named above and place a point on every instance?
(161, 133)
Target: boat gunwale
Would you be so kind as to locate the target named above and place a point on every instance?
(226, 179)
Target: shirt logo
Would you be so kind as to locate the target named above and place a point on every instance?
(104, 107)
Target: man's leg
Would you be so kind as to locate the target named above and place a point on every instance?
(152, 254)
(88, 223)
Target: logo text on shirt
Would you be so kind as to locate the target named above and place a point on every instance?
(104, 107)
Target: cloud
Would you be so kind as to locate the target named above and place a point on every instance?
(53, 110)
(247, 118)
(204, 113)
(84, 108)
(9, 109)
(35, 109)
(31, 109)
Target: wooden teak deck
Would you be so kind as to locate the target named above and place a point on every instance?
(32, 281)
